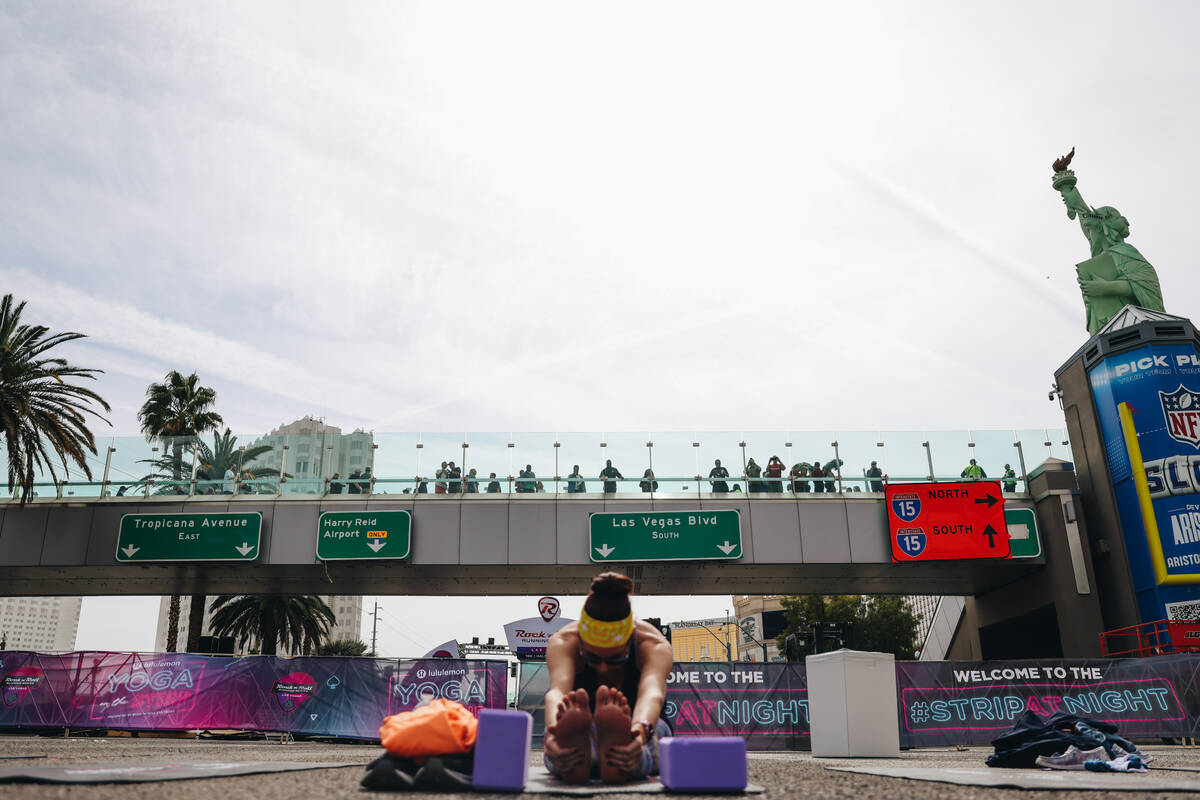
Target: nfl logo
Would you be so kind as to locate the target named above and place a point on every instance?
(1181, 409)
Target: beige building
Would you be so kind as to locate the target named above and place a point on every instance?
(704, 640)
(40, 624)
(346, 608)
(760, 618)
(311, 452)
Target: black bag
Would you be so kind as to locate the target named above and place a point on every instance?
(448, 773)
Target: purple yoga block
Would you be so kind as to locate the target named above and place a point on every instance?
(502, 750)
(702, 763)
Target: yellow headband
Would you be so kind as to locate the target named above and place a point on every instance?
(599, 633)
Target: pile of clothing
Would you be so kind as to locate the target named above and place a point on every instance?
(430, 747)
(1066, 741)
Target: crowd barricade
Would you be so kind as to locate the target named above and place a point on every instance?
(939, 702)
(317, 696)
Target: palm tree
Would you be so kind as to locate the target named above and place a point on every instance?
(344, 647)
(211, 464)
(297, 621)
(175, 411)
(40, 411)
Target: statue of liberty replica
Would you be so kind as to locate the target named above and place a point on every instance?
(1117, 274)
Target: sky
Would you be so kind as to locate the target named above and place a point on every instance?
(583, 217)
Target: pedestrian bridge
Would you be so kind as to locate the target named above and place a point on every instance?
(478, 544)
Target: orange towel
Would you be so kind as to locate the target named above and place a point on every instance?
(442, 726)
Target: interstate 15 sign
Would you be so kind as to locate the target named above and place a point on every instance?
(189, 537)
(351, 535)
(665, 536)
(941, 521)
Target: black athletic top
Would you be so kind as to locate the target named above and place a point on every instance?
(586, 678)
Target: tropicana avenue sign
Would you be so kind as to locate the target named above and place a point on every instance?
(189, 537)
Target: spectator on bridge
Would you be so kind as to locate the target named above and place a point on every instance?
(367, 482)
(440, 486)
(648, 483)
(575, 484)
(335, 484)
(800, 470)
(610, 474)
(753, 473)
(716, 477)
(227, 486)
(529, 484)
(832, 468)
(472, 482)
(973, 472)
(774, 470)
(541, 487)
(493, 486)
(422, 485)
(817, 472)
(352, 483)
(875, 472)
(1010, 479)
(453, 473)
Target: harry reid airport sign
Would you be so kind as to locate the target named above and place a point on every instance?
(352, 535)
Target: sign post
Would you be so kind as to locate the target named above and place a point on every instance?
(189, 537)
(940, 521)
(665, 536)
(353, 535)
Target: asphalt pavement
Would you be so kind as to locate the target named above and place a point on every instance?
(784, 774)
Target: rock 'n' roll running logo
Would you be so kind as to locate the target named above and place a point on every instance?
(1181, 410)
(292, 690)
(18, 683)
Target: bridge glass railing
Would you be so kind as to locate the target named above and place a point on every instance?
(674, 462)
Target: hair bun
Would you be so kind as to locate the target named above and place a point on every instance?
(612, 582)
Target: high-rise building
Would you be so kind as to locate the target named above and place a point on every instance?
(41, 624)
(704, 640)
(347, 609)
(310, 452)
(760, 620)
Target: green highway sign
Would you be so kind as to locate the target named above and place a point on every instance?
(343, 535)
(1023, 534)
(189, 537)
(665, 536)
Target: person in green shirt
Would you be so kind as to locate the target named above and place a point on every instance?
(973, 472)
(1010, 479)
(753, 473)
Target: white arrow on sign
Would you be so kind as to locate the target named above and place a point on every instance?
(129, 550)
(605, 550)
(376, 546)
(727, 548)
(245, 548)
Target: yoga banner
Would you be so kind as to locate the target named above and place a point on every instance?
(766, 703)
(325, 696)
(959, 702)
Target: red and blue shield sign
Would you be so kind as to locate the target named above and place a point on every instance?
(906, 506)
(911, 541)
(1181, 410)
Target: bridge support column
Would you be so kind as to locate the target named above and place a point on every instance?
(1054, 612)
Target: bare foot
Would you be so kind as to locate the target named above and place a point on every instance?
(572, 731)
(613, 729)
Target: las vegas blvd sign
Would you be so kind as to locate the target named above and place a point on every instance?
(665, 536)
(941, 521)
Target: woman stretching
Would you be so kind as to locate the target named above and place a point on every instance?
(608, 681)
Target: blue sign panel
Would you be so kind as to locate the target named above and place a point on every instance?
(911, 540)
(1161, 383)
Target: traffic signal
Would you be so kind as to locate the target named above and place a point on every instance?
(657, 622)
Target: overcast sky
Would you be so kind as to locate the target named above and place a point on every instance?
(584, 217)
